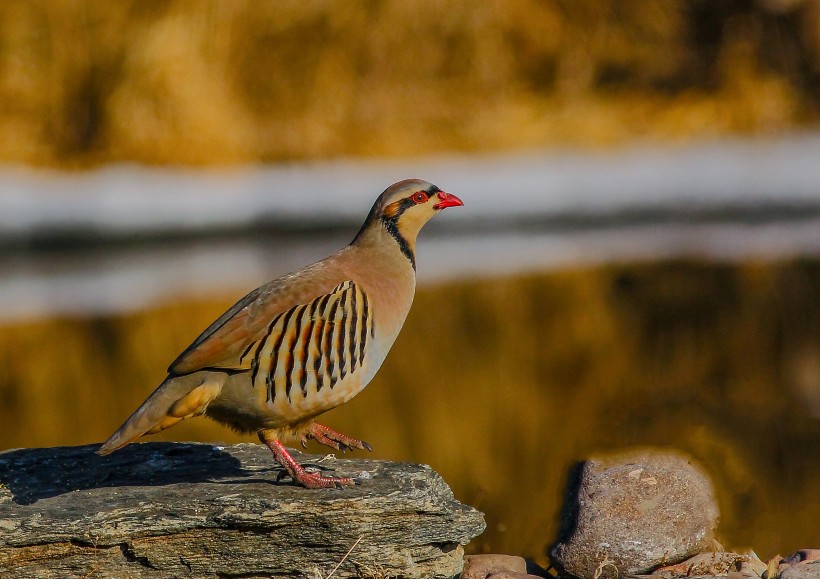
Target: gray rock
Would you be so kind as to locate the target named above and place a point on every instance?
(804, 570)
(483, 566)
(800, 556)
(196, 510)
(630, 513)
(717, 563)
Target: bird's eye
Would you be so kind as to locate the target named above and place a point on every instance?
(419, 197)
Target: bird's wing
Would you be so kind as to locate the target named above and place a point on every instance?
(216, 346)
(235, 340)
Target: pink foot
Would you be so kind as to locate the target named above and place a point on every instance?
(297, 472)
(329, 437)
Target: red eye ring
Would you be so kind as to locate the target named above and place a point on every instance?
(419, 197)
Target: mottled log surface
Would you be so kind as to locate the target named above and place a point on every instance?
(178, 510)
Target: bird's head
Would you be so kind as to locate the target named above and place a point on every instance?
(404, 207)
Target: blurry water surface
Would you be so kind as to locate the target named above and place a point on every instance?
(619, 316)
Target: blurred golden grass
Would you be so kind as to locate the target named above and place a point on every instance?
(223, 82)
(501, 384)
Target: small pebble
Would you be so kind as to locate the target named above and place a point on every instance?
(801, 556)
(802, 570)
(717, 563)
(802, 564)
(484, 566)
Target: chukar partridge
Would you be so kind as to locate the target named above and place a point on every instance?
(301, 344)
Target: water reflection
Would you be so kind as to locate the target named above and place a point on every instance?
(502, 383)
(106, 279)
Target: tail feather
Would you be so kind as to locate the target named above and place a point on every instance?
(177, 398)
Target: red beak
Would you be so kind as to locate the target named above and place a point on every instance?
(447, 200)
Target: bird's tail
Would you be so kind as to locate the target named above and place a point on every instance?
(177, 398)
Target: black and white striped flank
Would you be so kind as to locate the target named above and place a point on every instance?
(316, 343)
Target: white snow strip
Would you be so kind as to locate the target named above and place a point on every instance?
(495, 188)
(142, 200)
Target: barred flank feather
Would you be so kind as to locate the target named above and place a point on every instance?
(317, 343)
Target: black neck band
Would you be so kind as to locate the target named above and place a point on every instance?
(393, 229)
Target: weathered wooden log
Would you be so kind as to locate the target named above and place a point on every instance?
(198, 510)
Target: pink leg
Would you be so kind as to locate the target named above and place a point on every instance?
(333, 439)
(296, 471)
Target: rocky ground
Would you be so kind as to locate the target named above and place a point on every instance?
(804, 564)
(642, 514)
(197, 510)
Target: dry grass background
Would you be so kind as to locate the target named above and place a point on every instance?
(501, 384)
(225, 82)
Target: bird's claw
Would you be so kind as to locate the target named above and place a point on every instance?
(317, 481)
(311, 477)
(337, 440)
